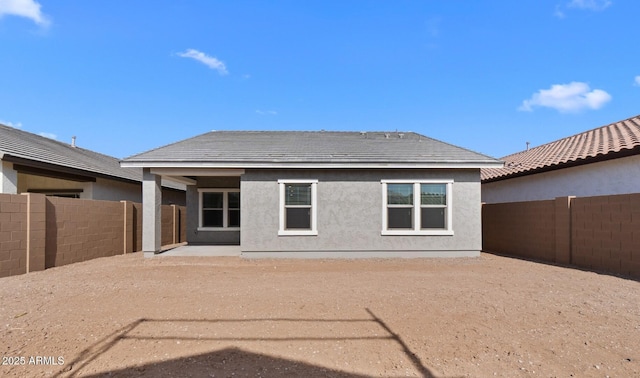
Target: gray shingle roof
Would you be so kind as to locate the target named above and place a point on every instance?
(32, 147)
(617, 139)
(314, 147)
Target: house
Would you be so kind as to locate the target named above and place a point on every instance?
(602, 161)
(30, 163)
(320, 194)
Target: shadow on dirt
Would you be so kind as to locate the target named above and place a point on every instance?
(569, 266)
(226, 363)
(231, 361)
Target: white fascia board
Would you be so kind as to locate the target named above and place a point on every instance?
(293, 165)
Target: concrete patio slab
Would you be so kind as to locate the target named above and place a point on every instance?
(203, 250)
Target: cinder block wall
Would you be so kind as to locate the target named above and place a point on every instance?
(167, 225)
(599, 233)
(13, 234)
(137, 209)
(80, 230)
(173, 224)
(22, 233)
(38, 232)
(524, 229)
(183, 223)
(606, 233)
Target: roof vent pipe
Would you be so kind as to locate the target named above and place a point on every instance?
(73, 141)
(528, 146)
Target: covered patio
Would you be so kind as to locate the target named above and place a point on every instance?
(205, 236)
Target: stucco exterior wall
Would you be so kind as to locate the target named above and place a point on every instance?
(27, 182)
(101, 189)
(617, 176)
(8, 178)
(173, 197)
(350, 215)
(195, 236)
(111, 190)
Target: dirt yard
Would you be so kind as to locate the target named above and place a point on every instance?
(228, 317)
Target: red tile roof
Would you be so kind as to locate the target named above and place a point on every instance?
(618, 139)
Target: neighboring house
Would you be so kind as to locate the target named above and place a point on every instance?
(30, 163)
(320, 194)
(601, 161)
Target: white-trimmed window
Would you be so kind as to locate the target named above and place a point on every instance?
(416, 207)
(298, 207)
(219, 209)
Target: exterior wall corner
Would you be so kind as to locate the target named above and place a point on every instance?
(8, 178)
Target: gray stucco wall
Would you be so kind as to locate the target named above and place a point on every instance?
(112, 190)
(194, 236)
(350, 215)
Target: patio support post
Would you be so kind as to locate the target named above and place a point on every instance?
(151, 213)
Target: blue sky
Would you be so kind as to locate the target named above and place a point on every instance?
(488, 75)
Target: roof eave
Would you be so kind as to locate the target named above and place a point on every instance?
(66, 170)
(573, 163)
(464, 164)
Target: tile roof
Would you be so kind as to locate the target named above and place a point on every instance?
(315, 147)
(611, 141)
(24, 145)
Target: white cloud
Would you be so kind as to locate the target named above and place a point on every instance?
(572, 97)
(637, 80)
(587, 5)
(24, 8)
(205, 59)
(17, 125)
(48, 135)
(594, 5)
(267, 112)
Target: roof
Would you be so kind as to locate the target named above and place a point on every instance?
(612, 141)
(26, 148)
(251, 149)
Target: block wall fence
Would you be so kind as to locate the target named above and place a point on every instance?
(39, 232)
(597, 233)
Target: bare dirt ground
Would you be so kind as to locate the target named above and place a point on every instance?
(228, 317)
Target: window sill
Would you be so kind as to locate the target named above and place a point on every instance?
(218, 228)
(298, 233)
(418, 233)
